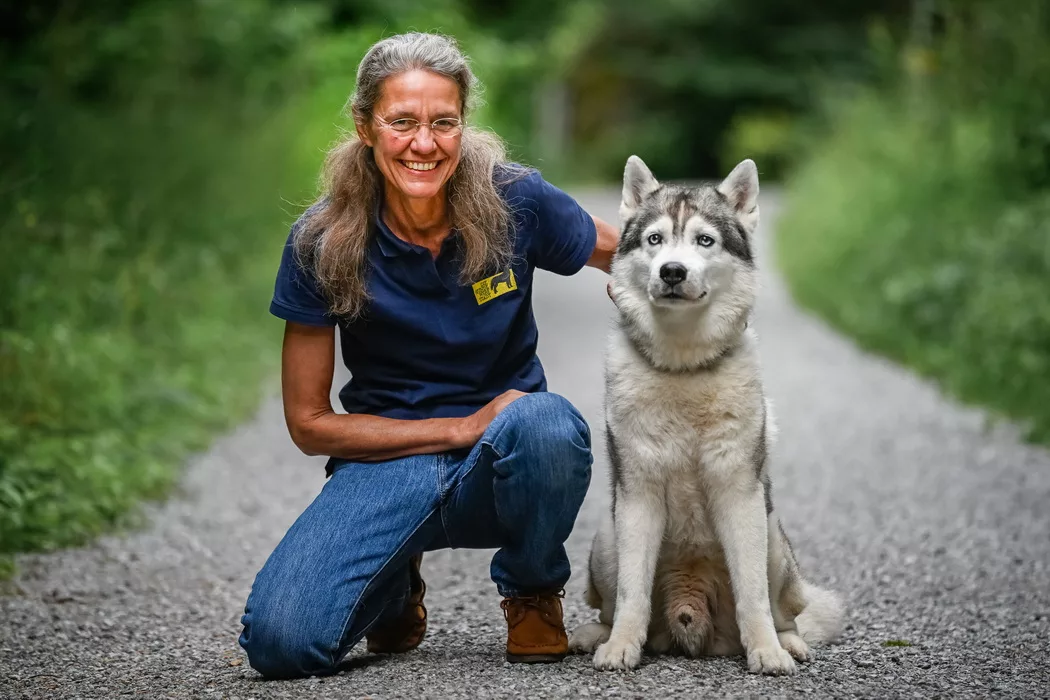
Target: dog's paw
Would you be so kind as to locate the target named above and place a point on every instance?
(771, 660)
(586, 638)
(794, 645)
(618, 654)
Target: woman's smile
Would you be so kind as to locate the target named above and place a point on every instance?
(419, 166)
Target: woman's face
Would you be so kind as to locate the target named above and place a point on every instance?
(415, 164)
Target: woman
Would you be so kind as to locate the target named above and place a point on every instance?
(422, 253)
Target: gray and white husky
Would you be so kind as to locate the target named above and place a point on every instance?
(692, 557)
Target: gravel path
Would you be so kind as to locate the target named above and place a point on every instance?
(934, 524)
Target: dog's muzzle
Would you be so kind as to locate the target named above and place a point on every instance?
(675, 285)
(673, 273)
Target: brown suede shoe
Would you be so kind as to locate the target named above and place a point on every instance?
(403, 633)
(535, 631)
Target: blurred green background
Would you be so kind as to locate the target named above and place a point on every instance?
(154, 154)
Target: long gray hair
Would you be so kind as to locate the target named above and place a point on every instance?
(334, 240)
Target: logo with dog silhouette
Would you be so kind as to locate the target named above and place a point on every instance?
(497, 285)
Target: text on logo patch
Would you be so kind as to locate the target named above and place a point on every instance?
(497, 285)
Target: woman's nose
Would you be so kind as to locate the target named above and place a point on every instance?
(423, 142)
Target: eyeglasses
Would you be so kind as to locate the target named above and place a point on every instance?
(406, 126)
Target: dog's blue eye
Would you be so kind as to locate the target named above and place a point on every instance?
(655, 239)
(705, 240)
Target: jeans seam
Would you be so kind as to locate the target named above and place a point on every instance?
(365, 590)
(443, 493)
(462, 478)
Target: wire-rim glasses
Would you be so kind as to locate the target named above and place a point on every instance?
(406, 126)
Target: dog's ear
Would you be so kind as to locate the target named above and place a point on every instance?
(741, 189)
(638, 183)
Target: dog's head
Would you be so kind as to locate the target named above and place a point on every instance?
(687, 247)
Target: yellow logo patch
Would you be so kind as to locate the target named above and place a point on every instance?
(497, 285)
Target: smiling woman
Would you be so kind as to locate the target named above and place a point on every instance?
(416, 158)
(421, 252)
(425, 179)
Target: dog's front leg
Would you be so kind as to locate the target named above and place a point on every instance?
(740, 523)
(639, 518)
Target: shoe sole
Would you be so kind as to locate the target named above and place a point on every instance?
(534, 658)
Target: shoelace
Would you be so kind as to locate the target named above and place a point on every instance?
(532, 601)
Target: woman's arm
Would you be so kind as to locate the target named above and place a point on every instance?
(307, 369)
(605, 246)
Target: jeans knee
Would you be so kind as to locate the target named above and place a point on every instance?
(555, 441)
(552, 421)
(281, 642)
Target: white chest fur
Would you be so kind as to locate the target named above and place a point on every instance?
(680, 434)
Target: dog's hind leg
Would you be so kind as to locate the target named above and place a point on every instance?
(586, 638)
(816, 615)
(804, 613)
(785, 591)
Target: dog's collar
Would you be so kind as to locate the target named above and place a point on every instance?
(705, 366)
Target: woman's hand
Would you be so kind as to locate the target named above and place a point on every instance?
(308, 361)
(475, 425)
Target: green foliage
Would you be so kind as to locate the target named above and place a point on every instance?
(7, 570)
(667, 80)
(141, 226)
(921, 225)
(766, 137)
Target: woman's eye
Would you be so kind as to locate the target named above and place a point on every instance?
(705, 240)
(444, 126)
(403, 124)
(655, 239)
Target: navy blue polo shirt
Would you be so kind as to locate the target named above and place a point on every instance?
(429, 345)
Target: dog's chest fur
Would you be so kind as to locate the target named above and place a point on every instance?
(681, 434)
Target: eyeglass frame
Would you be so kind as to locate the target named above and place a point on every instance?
(418, 124)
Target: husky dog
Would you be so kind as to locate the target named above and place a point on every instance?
(692, 557)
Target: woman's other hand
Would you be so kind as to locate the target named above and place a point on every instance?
(475, 425)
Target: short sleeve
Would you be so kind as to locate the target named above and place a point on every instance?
(564, 235)
(296, 296)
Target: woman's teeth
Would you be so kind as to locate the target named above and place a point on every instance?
(420, 166)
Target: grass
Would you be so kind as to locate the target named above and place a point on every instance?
(905, 231)
(135, 324)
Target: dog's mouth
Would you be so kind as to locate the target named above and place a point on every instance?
(674, 296)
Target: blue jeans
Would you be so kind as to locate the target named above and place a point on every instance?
(343, 564)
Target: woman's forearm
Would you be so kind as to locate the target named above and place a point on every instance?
(366, 438)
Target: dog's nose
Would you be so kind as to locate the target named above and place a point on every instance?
(672, 273)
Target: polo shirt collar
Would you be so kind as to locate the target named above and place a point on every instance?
(391, 246)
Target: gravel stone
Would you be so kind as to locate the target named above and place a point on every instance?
(931, 518)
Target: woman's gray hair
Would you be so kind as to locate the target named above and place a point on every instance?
(333, 240)
(404, 52)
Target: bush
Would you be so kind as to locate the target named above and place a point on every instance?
(920, 224)
(142, 222)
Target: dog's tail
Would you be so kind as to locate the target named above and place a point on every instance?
(823, 618)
